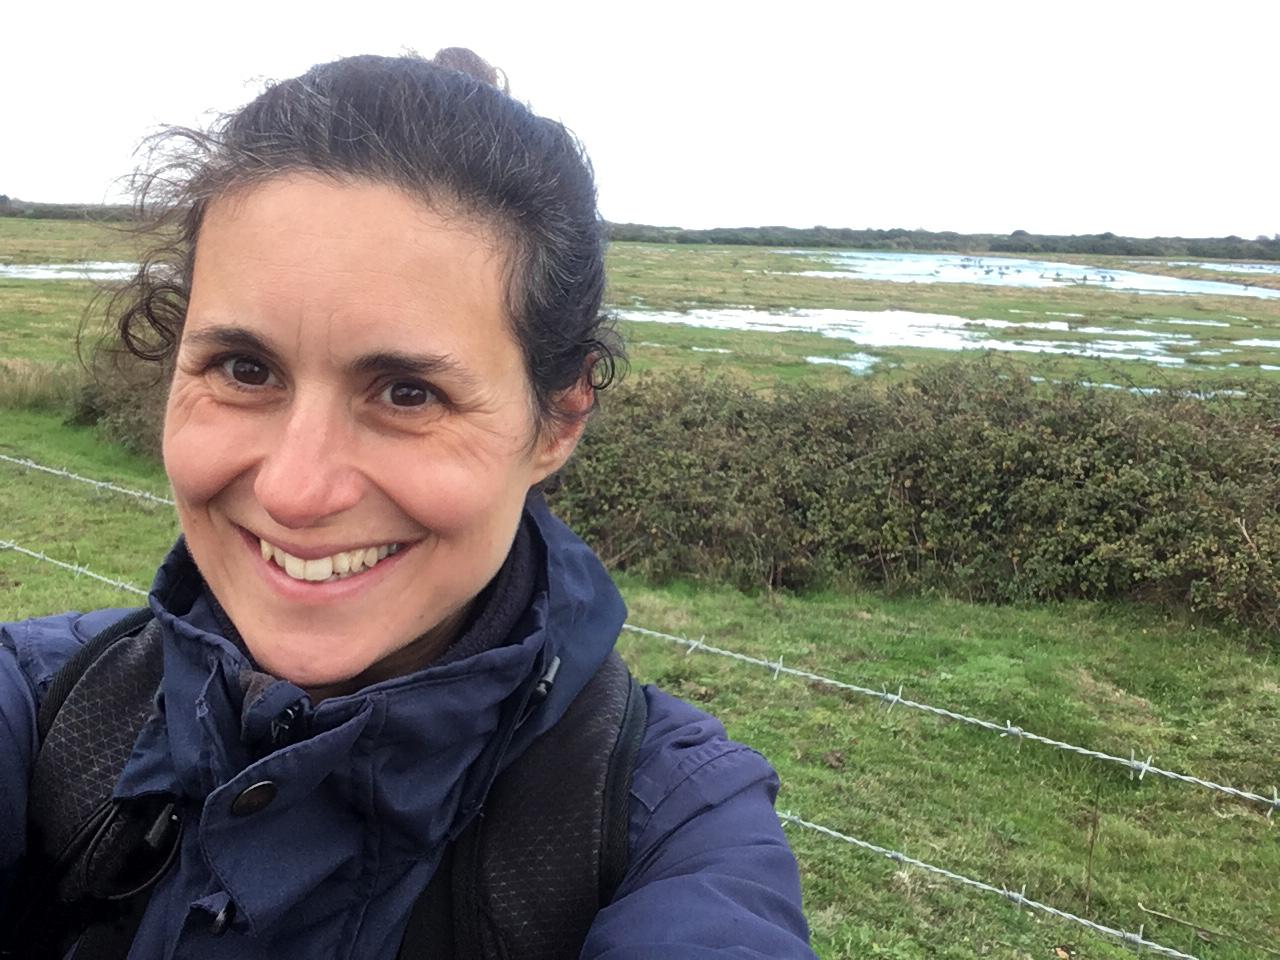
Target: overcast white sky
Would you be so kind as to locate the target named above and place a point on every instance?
(1056, 117)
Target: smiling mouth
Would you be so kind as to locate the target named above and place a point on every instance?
(330, 569)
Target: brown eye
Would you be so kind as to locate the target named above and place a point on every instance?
(247, 371)
(407, 394)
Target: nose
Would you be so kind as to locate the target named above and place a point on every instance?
(307, 475)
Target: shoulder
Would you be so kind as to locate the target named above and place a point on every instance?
(686, 761)
(39, 647)
(710, 871)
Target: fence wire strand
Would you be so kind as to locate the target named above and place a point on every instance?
(1006, 729)
(73, 567)
(99, 484)
(1017, 898)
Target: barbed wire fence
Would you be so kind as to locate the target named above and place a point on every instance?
(1139, 767)
(1136, 767)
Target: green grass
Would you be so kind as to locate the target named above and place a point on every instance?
(64, 241)
(1118, 679)
(116, 536)
(39, 319)
(1114, 679)
(672, 277)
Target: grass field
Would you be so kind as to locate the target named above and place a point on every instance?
(1080, 834)
(64, 241)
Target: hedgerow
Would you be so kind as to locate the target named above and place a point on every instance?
(969, 479)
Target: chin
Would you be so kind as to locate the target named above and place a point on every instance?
(309, 662)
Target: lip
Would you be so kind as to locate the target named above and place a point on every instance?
(323, 592)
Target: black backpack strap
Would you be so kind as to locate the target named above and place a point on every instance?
(74, 668)
(530, 873)
(89, 858)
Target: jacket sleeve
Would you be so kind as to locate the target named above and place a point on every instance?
(31, 653)
(710, 874)
(17, 748)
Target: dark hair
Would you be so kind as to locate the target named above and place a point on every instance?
(446, 132)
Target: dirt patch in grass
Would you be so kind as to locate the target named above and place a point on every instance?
(1100, 691)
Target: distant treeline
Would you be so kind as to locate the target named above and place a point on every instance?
(1020, 241)
(13, 207)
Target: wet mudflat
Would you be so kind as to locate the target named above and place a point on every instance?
(1166, 341)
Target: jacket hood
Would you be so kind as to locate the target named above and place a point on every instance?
(401, 765)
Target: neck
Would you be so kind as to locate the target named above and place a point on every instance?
(414, 656)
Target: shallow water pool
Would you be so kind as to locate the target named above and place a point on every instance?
(936, 331)
(84, 270)
(1007, 272)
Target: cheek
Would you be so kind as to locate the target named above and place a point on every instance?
(466, 497)
(204, 446)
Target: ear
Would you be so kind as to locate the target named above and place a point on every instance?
(560, 437)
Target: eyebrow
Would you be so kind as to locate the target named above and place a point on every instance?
(426, 365)
(233, 338)
(383, 362)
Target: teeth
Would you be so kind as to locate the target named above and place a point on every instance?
(317, 570)
(342, 564)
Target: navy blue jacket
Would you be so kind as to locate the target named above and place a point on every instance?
(332, 867)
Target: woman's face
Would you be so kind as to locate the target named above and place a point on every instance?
(350, 431)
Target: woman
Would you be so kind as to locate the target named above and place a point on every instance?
(382, 316)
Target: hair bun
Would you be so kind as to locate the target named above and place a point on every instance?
(472, 64)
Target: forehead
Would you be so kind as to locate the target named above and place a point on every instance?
(347, 262)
